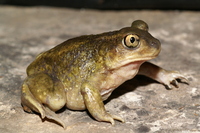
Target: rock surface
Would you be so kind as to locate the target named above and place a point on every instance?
(146, 106)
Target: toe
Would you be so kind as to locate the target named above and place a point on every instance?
(117, 118)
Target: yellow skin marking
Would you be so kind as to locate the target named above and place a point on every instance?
(82, 72)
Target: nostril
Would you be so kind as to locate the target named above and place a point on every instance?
(155, 43)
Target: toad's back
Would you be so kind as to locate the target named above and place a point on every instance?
(75, 58)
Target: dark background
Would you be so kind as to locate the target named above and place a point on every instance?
(111, 4)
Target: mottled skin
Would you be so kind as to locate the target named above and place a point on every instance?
(82, 72)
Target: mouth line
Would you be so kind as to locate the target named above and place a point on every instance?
(129, 61)
(143, 59)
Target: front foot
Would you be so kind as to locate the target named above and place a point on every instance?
(170, 78)
(95, 106)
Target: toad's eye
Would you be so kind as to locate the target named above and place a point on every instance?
(131, 41)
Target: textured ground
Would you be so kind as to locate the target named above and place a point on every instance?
(145, 105)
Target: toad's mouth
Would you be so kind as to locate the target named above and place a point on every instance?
(137, 61)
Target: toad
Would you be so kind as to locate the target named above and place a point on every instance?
(82, 72)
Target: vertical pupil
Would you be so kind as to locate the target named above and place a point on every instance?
(132, 39)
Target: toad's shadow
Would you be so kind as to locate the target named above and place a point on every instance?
(130, 85)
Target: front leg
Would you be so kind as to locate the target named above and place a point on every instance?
(95, 106)
(161, 75)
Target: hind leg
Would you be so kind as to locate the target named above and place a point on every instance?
(43, 95)
(29, 103)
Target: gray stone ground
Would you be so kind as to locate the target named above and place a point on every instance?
(145, 105)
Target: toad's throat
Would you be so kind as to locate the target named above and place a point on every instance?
(118, 76)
